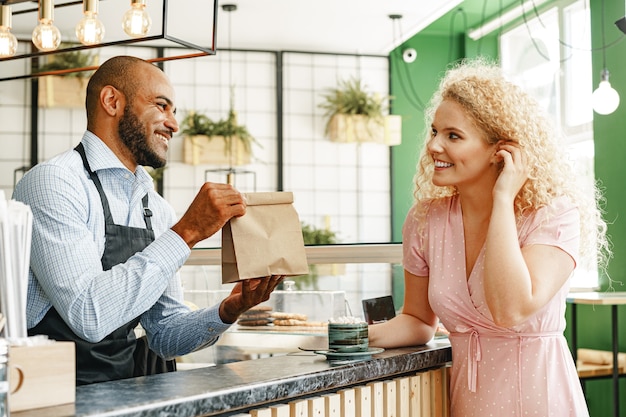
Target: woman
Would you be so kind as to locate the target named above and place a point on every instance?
(498, 226)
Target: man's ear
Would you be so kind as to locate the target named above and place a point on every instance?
(112, 100)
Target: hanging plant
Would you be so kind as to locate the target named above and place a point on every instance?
(357, 115)
(199, 131)
(351, 97)
(65, 90)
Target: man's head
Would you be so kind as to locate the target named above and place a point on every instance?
(130, 106)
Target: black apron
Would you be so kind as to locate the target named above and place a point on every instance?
(117, 355)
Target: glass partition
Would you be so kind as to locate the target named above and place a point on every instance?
(340, 277)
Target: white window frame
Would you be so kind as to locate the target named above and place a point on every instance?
(549, 54)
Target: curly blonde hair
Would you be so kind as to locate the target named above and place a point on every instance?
(504, 111)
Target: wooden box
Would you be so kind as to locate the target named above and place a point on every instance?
(201, 149)
(42, 376)
(62, 91)
(358, 128)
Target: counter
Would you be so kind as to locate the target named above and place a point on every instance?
(239, 387)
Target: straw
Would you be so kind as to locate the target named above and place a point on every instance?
(15, 239)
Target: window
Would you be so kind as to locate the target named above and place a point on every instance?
(549, 54)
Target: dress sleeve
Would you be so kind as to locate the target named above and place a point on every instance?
(556, 225)
(414, 246)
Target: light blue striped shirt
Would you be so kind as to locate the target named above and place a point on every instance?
(68, 243)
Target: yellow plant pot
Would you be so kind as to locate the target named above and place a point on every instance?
(201, 149)
(347, 128)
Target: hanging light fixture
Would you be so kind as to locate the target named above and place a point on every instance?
(8, 41)
(605, 99)
(230, 179)
(175, 27)
(136, 21)
(46, 36)
(90, 30)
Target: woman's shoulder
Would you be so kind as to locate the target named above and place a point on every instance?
(559, 213)
(558, 206)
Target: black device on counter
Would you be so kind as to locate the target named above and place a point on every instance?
(379, 309)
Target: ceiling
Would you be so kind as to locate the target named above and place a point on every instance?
(334, 26)
(337, 26)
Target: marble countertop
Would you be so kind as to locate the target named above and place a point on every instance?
(238, 386)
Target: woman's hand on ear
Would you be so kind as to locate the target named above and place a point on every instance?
(514, 171)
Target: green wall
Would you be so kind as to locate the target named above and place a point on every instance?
(433, 54)
(610, 170)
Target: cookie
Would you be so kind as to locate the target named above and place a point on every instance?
(254, 316)
(253, 322)
(288, 316)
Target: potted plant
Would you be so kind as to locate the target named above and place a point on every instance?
(314, 236)
(356, 115)
(67, 90)
(210, 142)
(317, 236)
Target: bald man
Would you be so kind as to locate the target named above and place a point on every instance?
(106, 247)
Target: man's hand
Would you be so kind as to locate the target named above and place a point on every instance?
(246, 294)
(214, 205)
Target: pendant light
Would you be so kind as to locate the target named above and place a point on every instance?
(64, 17)
(90, 30)
(46, 36)
(232, 117)
(136, 21)
(605, 99)
(8, 41)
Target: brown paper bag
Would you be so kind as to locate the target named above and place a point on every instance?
(266, 241)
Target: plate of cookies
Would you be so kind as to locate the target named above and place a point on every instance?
(263, 317)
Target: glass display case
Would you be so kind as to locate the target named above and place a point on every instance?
(340, 277)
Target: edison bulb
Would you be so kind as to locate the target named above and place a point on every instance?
(46, 36)
(8, 43)
(605, 99)
(136, 21)
(90, 30)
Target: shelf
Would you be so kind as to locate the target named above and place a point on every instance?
(322, 254)
(592, 370)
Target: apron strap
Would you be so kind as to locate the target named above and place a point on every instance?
(105, 203)
(147, 213)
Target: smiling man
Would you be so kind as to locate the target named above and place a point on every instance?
(106, 248)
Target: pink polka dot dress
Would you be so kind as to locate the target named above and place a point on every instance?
(526, 370)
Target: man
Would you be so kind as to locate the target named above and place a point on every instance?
(105, 246)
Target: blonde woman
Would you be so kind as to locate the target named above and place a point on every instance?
(498, 226)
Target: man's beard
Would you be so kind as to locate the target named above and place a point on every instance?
(133, 135)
